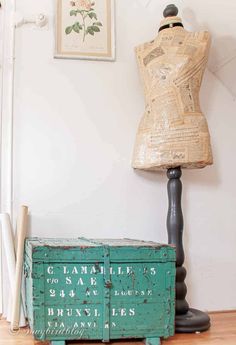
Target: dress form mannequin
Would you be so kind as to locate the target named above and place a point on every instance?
(173, 132)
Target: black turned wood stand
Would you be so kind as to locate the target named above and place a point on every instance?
(187, 320)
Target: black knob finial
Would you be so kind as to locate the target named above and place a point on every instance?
(170, 11)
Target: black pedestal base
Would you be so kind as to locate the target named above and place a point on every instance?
(193, 321)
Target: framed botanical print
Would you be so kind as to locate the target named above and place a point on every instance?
(85, 29)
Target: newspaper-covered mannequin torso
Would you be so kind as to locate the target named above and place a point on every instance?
(173, 131)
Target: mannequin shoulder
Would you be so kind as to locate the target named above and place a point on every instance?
(144, 47)
(201, 36)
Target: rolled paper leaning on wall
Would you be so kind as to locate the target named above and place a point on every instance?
(21, 234)
(8, 243)
(23, 312)
(23, 301)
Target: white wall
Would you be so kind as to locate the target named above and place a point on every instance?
(74, 128)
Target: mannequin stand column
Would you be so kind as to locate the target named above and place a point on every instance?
(187, 320)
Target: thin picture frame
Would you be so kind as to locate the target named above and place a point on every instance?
(85, 29)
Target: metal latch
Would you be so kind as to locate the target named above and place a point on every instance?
(108, 284)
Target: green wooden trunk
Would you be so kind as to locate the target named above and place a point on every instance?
(99, 289)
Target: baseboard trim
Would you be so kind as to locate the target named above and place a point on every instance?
(222, 311)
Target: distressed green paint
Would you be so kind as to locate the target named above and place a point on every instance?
(99, 289)
(152, 341)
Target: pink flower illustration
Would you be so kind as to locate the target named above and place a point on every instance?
(85, 5)
(87, 22)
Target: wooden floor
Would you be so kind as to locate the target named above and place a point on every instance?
(222, 332)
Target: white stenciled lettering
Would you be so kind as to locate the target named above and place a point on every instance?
(114, 312)
(50, 312)
(120, 271)
(87, 312)
(129, 270)
(96, 313)
(93, 270)
(123, 312)
(71, 294)
(69, 312)
(74, 271)
(132, 292)
(113, 324)
(68, 281)
(87, 325)
(99, 269)
(93, 281)
(93, 292)
(65, 270)
(84, 270)
(52, 293)
(52, 281)
(80, 281)
(78, 312)
(131, 312)
(50, 270)
(59, 312)
(62, 294)
(153, 271)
